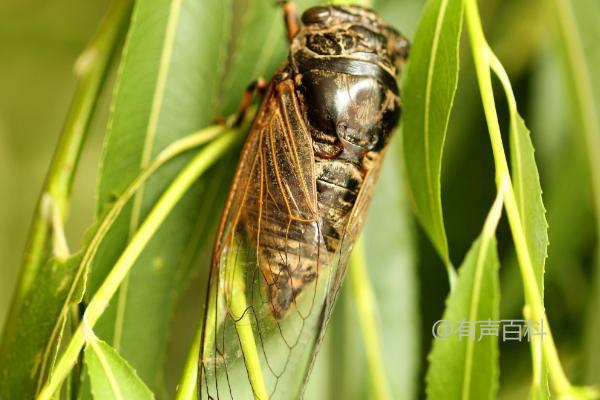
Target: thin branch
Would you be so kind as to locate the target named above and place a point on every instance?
(366, 307)
(194, 169)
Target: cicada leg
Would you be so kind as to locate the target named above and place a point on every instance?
(290, 18)
(258, 86)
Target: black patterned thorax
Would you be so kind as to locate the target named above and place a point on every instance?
(346, 60)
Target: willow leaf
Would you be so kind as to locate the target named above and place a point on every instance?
(168, 87)
(526, 183)
(110, 375)
(467, 367)
(429, 94)
(531, 211)
(34, 349)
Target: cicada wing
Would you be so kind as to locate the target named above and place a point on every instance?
(340, 260)
(269, 278)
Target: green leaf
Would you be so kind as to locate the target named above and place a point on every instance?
(34, 348)
(168, 87)
(429, 94)
(111, 376)
(562, 163)
(462, 368)
(392, 266)
(528, 192)
(174, 79)
(531, 211)
(526, 184)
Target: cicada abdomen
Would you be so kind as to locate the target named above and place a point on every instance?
(298, 201)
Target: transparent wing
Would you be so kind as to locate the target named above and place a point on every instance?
(273, 282)
(350, 233)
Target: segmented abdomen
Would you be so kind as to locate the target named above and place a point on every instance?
(289, 257)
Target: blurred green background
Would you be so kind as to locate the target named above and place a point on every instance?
(40, 41)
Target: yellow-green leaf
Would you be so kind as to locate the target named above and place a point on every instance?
(528, 192)
(111, 376)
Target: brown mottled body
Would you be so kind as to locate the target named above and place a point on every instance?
(340, 86)
(298, 201)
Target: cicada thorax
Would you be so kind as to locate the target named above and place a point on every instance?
(338, 88)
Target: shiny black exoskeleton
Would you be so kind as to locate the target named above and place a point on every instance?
(345, 61)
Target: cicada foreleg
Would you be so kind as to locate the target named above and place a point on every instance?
(290, 18)
(258, 86)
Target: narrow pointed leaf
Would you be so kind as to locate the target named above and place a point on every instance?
(429, 94)
(526, 183)
(528, 192)
(111, 376)
(531, 211)
(167, 88)
(465, 366)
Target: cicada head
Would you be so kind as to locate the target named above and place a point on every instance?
(354, 32)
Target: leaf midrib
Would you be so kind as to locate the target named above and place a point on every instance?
(105, 365)
(479, 266)
(426, 114)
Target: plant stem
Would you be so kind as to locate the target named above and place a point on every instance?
(208, 331)
(484, 58)
(366, 310)
(176, 148)
(243, 325)
(91, 70)
(186, 389)
(180, 146)
(194, 169)
(583, 94)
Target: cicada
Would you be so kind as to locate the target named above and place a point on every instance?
(298, 201)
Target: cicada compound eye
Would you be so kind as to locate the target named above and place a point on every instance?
(316, 15)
